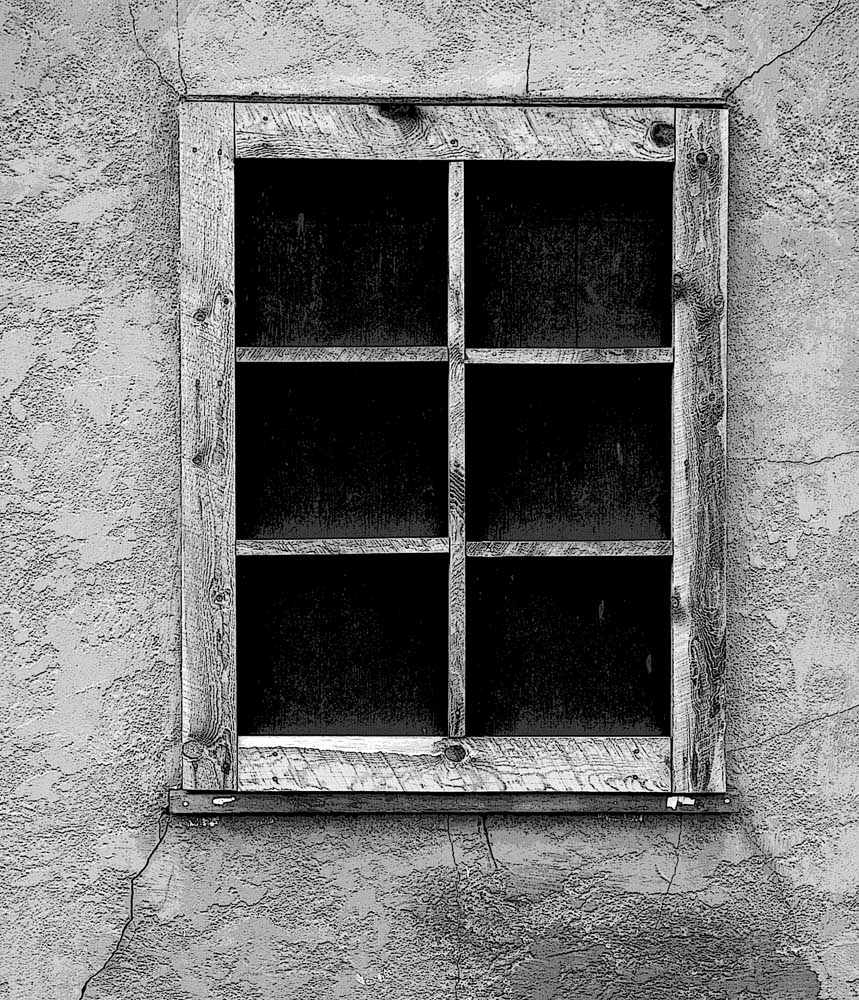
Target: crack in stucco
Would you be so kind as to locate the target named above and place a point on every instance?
(794, 461)
(148, 57)
(667, 892)
(528, 54)
(457, 958)
(799, 725)
(483, 825)
(781, 55)
(179, 52)
(162, 833)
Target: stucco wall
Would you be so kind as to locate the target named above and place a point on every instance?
(765, 904)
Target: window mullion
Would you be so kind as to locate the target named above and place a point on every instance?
(456, 452)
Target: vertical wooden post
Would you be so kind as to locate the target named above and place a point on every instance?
(456, 451)
(207, 311)
(698, 475)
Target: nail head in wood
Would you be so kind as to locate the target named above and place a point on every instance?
(200, 315)
(701, 158)
(455, 753)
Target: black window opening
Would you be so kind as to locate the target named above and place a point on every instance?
(354, 254)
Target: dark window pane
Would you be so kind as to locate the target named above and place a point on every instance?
(342, 645)
(345, 252)
(568, 254)
(341, 450)
(573, 646)
(568, 452)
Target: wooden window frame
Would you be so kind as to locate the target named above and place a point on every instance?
(223, 771)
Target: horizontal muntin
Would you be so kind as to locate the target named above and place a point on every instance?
(569, 355)
(608, 547)
(338, 546)
(339, 354)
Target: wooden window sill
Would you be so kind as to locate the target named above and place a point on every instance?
(187, 803)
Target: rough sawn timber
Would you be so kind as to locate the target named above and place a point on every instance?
(207, 322)
(442, 764)
(698, 475)
(432, 132)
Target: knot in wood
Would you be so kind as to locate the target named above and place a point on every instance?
(399, 111)
(454, 753)
(662, 134)
(701, 158)
(193, 749)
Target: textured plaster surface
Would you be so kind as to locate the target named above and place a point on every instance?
(765, 904)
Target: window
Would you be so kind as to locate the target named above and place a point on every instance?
(453, 445)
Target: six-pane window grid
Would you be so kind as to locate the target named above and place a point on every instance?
(550, 283)
(484, 419)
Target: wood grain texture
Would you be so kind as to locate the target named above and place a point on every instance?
(208, 446)
(456, 450)
(338, 354)
(337, 546)
(183, 803)
(418, 764)
(643, 547)
(698, 580)
(366, 131)
(568, 356)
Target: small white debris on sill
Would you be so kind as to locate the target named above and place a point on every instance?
(679, 800)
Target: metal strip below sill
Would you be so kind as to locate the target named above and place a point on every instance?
(226, 803)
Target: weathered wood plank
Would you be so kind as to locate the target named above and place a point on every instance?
(643, 547)
(367, 131)
(337, 546)
(456, 450)
(207, 299)
(569, 356)
(340, 354)
(184, 803)
(428, 764)
(698, 579)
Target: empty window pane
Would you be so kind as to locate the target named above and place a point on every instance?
(568, 254)
(574, 646)
(342, 645)
(341, 450)
(346, 252)
(568, 452)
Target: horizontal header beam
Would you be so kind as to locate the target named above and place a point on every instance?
(453, 132)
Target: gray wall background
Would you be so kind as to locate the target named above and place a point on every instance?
(765, 904)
